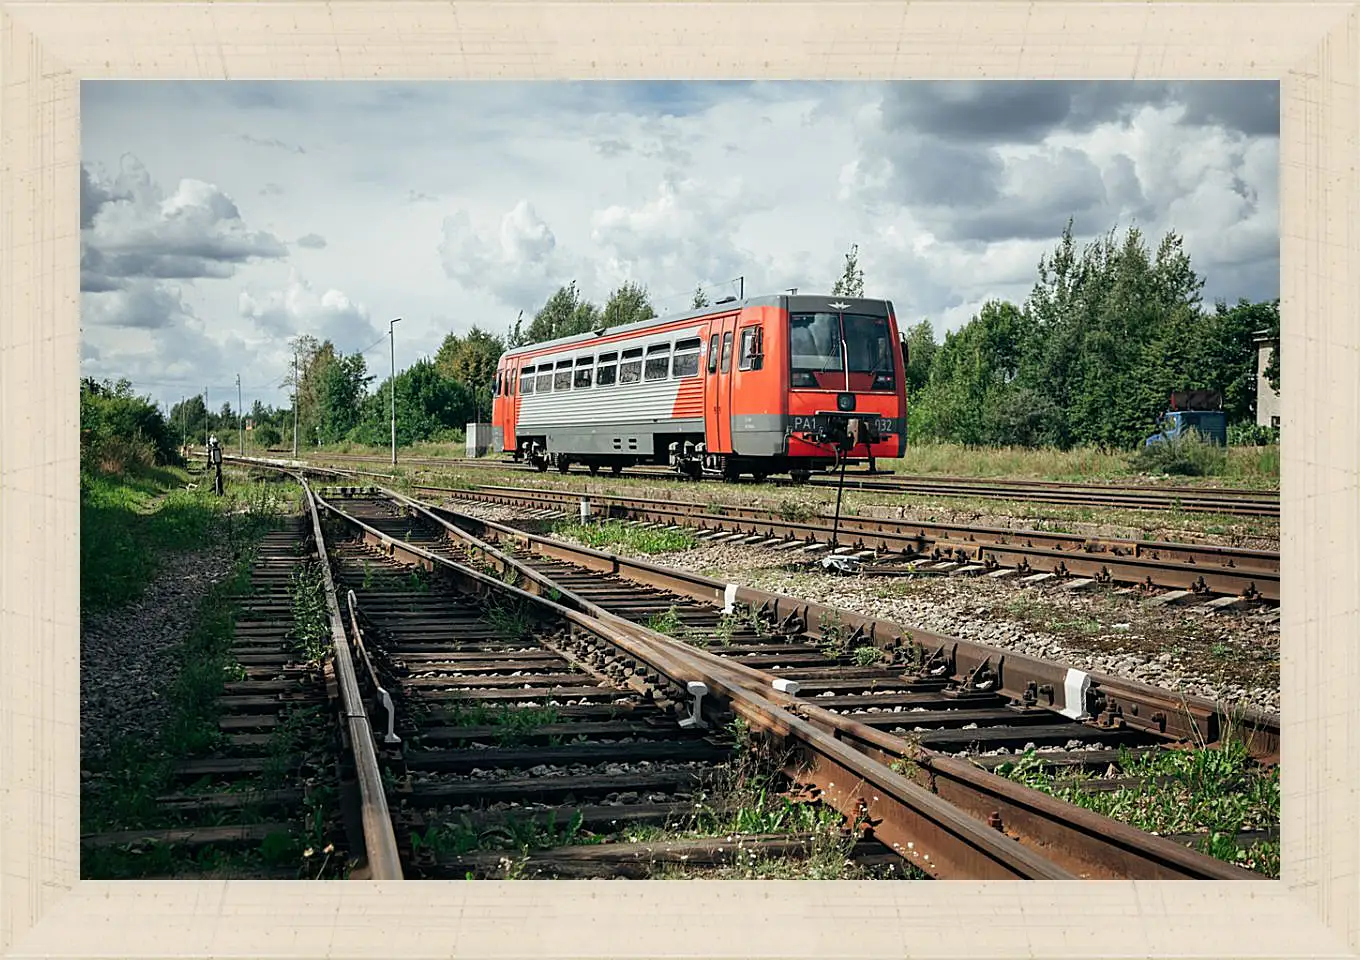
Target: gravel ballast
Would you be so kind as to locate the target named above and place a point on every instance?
(1232, 657)
(129, 657)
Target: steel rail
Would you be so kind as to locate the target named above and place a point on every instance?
(1112, 700)
(1222, 500)
(1201, 569)
(1084, 842)
(944, 841)
(380, 842)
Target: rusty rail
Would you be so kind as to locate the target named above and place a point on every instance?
(380, 843)
(943, 840)
(1084, 843)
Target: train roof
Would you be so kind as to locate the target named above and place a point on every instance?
(793, 303)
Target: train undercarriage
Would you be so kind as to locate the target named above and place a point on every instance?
(688, 458)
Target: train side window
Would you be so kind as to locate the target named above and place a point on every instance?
(526, 381)
(630, 371)
(750, 357)
(562, 377)
(658, 362)
(713, 354)
(608, 370)
(585, 367)
(686, 358)
(727, 352)
(544, 383)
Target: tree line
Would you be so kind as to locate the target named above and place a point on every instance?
(1089, 358)
(1092, 354)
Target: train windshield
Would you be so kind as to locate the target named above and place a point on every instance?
(840, 351)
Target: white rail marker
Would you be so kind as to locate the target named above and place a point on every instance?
(730, 598)
(791, 687)
(1074, 690)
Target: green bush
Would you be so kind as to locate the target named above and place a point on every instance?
(1188, 455)
(120, 431)
(1252, 435)
(266, 435)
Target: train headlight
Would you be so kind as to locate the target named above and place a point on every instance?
(845, 402)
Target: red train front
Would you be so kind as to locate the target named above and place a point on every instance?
(770, 385)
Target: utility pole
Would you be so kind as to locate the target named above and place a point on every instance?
(295, 402)
(240, 417)
(184, 422)
(207, 416)
(392, 343)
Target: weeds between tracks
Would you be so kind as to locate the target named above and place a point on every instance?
(1214, 795)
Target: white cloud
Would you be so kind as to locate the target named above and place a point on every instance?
(297, 308)
(462, 203)
(134, 231)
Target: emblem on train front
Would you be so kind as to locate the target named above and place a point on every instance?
(839, 306)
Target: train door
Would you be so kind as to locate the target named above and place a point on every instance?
(718, 385)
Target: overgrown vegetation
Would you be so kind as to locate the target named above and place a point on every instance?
(311, 632)
(616, 534)
(1188, 455)
(1215, 794)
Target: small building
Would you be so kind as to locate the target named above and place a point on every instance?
(1267, 398)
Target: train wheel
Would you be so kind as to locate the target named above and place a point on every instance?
(800, 476)
(563, 464)
(542, 465)
(594, 469)
(616, 469)
(760, 476)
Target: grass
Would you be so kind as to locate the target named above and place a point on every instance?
(131, 524)
(311, 633)
(744, 796)
(1240, 466)
(614, 533)
(1214, 793)
(134, 773)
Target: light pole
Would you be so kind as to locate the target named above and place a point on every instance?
(240, 417)
(392, 343)
(295, 401)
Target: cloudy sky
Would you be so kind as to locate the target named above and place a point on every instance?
(220, 218)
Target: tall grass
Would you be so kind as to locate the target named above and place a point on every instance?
(1257, 466)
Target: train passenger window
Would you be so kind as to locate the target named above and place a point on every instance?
(713, 354)
(727, 352)
(607, 370)
(585, 367)
(630, 371)
(526, 381)
(686, 358)
(658, 362)
(544, 382)
(562, 377)
(750, 357)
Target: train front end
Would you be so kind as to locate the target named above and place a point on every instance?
(846, 381)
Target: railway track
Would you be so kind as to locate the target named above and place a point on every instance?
(511, 706)
(1249, 503)
(885, 546)
(276, 776)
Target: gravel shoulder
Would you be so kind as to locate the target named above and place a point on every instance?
(129, 657)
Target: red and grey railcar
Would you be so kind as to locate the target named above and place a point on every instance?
(769, 385)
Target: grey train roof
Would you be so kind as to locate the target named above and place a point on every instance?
(794, 304)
